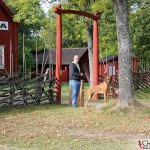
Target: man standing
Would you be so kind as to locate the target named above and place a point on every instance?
(74, 79)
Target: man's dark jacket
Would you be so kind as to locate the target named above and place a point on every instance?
(74, 72)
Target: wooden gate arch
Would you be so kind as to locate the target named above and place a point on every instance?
(95, 17)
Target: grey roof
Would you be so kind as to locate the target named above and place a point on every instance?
(108, 58)
(67, 55)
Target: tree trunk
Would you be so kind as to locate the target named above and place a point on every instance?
(90, 49)
(125, 53)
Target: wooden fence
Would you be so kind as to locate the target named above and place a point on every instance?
(25, 91)
(140, 80)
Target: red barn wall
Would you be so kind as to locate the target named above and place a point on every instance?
(9, 37)
(65, 74)
(104, 68)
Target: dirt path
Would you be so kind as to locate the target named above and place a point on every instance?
(94, 104)
(96, 134)
(93, 133)
(146, 104)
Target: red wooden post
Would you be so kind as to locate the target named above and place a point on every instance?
(95, 17)
(113, 87)
(58, 56)
(95, 54)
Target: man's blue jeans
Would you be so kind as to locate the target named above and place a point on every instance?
(75, 88)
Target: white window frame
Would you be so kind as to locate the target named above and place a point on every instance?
(112, 70)
(2, 49)
(5, 24)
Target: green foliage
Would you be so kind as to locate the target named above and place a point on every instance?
(34, 21)
(31, 18)
(28, 11)
(107, 31)
(28, 60)
(74, 31)
(74, 27)
(139, 28)
(101, 6)
(48, 33)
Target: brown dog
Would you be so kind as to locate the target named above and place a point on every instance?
(102, 88)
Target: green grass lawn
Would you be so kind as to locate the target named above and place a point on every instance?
(61, 127)
(141, 95)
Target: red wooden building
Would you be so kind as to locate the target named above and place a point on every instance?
(109, 65)
(8, 41)
(67, 58)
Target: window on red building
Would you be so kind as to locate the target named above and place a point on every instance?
(112, 70)
(1, 57)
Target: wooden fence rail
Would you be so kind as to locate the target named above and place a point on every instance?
(26, 91)
(140, 80)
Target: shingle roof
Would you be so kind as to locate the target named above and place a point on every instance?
(67, 55)
(108, 58)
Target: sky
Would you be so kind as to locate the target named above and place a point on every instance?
(46, 6)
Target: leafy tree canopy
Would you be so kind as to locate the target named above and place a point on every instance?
(35, 23)
(28, 11)
(31, 18)
(139, 29)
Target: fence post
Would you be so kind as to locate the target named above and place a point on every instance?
(80, 96)
(113, 87)
(70, 99)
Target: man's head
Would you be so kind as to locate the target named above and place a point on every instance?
(76, 58)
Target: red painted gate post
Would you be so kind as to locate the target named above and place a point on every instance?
(95, 54)
(95, 17)
(58, 56)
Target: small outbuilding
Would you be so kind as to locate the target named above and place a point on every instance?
(8, 41)
(109, 65)
(47, 59)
